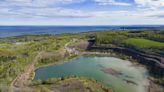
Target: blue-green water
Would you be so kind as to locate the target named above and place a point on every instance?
(8, 31)
(92, 67)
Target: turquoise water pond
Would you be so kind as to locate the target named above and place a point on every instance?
(118, 74)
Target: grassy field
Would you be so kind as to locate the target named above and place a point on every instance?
(143, 43)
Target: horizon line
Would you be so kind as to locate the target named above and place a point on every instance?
(94, 25)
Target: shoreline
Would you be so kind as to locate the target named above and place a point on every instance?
(135, 64)
(66, 60)
(103, 83)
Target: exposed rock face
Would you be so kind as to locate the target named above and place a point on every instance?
(153, 62)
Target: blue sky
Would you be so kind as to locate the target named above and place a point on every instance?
(81, 12)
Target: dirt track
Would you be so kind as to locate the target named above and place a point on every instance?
(23, 79)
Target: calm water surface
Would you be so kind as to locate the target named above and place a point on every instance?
(121, 75)
(9, 31)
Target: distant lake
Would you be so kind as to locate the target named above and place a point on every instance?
(8, 31)
(118, 74)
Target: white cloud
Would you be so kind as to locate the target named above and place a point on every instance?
(47, 11)
(111, 2)
(52, 16)
(36, 3)
(53, 13)
(150, 3)
(42, 13)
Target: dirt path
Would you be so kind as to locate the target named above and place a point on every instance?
(23, 79)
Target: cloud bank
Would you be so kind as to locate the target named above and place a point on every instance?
(81, 12)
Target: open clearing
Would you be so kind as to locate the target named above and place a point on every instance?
(143, 43)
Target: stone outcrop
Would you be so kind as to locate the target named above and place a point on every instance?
(154, 63)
